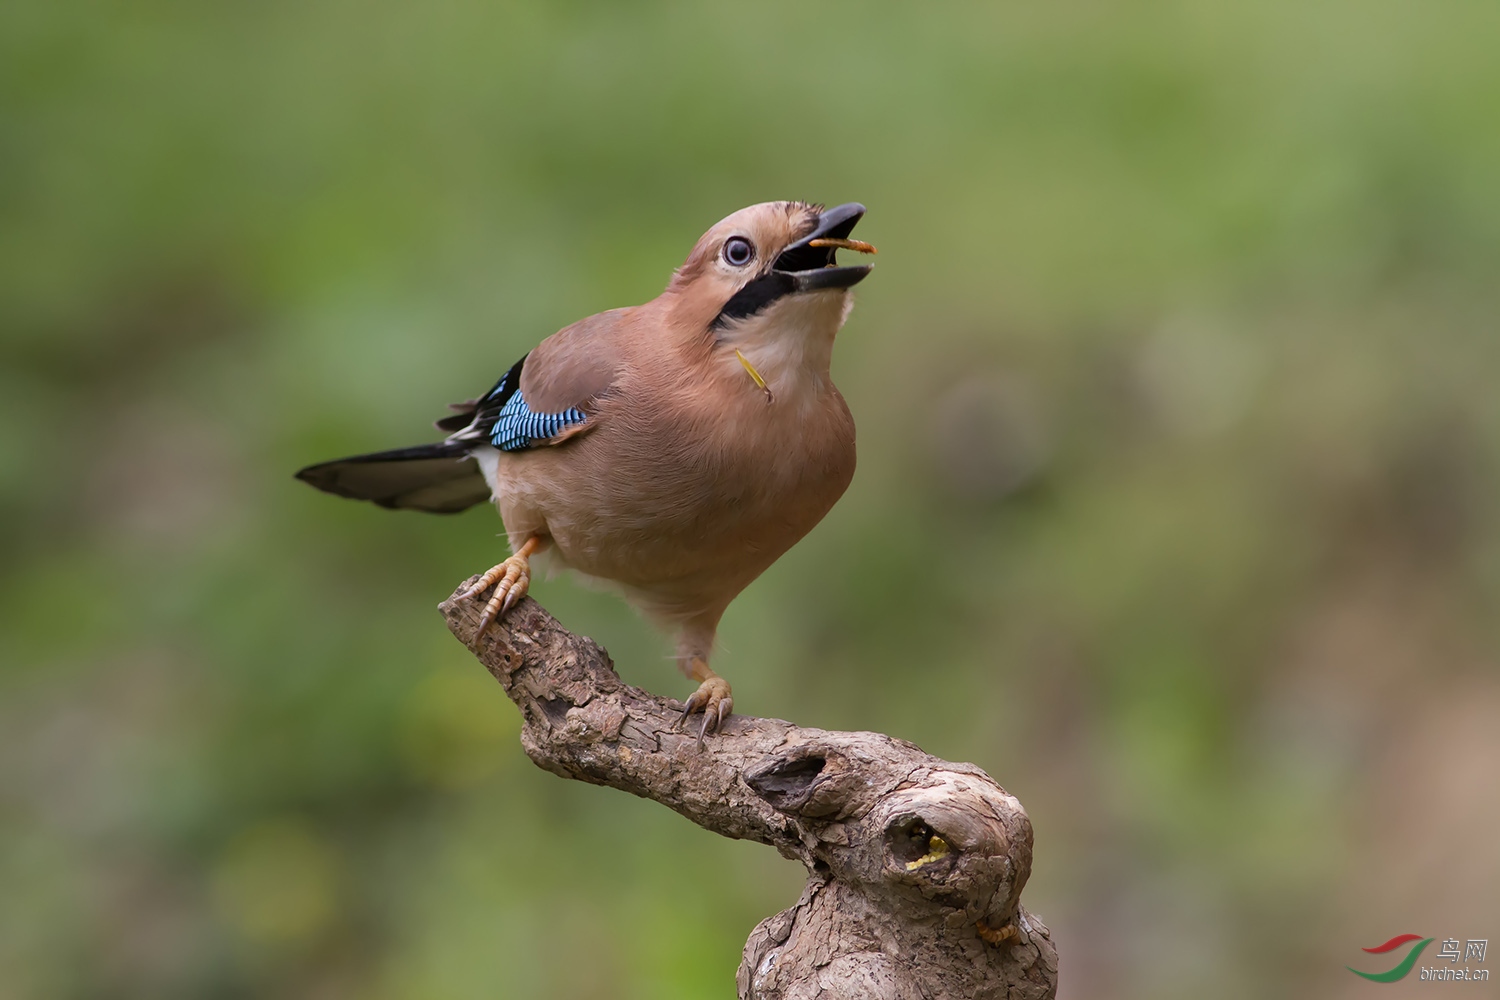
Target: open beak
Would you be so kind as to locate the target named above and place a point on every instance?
(808, 265)
(811, 261)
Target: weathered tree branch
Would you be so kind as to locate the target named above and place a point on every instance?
(915, 865)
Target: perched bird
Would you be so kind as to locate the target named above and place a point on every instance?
(674, 449)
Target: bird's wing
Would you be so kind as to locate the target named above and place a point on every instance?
(439, 478)
(547, 397)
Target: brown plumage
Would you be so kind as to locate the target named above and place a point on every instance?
(705, 434)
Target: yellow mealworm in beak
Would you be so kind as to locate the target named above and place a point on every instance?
(859, 246)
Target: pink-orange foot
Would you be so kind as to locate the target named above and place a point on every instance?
(713, 698)
(511, 579)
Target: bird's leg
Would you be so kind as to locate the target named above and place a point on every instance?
(713, 696)
(510, 580)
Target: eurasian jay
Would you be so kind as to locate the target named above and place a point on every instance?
(675, 449)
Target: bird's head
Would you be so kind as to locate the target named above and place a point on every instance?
(769, 275)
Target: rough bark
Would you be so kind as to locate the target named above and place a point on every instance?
(915, 865)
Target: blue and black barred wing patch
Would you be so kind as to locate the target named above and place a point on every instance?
(517, 427)
(501, 417)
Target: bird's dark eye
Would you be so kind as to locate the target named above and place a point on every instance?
(738, 251)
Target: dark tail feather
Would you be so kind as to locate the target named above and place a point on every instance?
(439, 478)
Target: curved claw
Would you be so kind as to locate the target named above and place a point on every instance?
(714, 716)
(695, 703)
(485, 582)
(713, 699)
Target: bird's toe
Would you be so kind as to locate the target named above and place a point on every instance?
(511, 579)
(713, 698)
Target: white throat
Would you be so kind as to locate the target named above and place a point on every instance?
(790, 342)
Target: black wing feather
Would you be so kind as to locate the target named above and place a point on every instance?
(438, 478)
(476, 419)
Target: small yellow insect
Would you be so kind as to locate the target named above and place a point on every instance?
(937, 847)
(755, 375)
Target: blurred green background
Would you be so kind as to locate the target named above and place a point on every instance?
(1176, 507)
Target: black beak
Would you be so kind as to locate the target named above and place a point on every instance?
(812, 268)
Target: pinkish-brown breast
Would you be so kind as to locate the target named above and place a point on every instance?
(690, 485)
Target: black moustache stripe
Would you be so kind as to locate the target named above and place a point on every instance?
(755, 296)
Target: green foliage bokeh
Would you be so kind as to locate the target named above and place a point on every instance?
(1176, 500)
